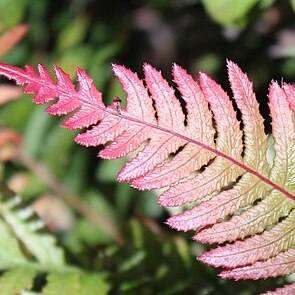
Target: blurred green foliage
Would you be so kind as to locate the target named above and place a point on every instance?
(199, 35)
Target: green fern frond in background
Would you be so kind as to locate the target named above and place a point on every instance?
(26, 255)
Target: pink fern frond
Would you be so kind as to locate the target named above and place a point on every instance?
(258, 247)
(198, 150)
(280, 265)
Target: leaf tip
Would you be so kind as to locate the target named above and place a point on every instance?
(231, 64)
(209, 259)
(116, 67)
(148, 69)
(227, 275)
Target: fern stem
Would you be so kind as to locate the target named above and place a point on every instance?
(211, 149)
(102, 222)
(11, 72)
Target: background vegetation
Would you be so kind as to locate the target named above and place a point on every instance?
(113, 237)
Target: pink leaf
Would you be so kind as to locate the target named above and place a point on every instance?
(258, 247)
(198, 150)
(280, 265)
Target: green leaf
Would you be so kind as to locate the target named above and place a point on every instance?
(133, 261)
(57, 151)
(21, 271)
(23, 108)
(226, 12)
(93, 284)
(16, 280)
(292, 2)
(73, 34)
(11, 12)
(62, 283)
(34, 131)
(9, 249)
(42, 246)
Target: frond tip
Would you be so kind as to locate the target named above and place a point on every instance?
(200, 155)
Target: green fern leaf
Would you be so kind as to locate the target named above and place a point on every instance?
(41, 246)
(25, 253)
(93, 284)
(16, 280)
(68, 283)
(10, 252)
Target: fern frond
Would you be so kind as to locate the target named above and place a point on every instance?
(280, 265)
(19, 230)
(68, 282)
(16, 280)
(204, 156)
(258, 247)
(25, 253)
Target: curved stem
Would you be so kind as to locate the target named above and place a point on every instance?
(102, 222)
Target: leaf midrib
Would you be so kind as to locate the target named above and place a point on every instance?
(204, 146)
(153, 126)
